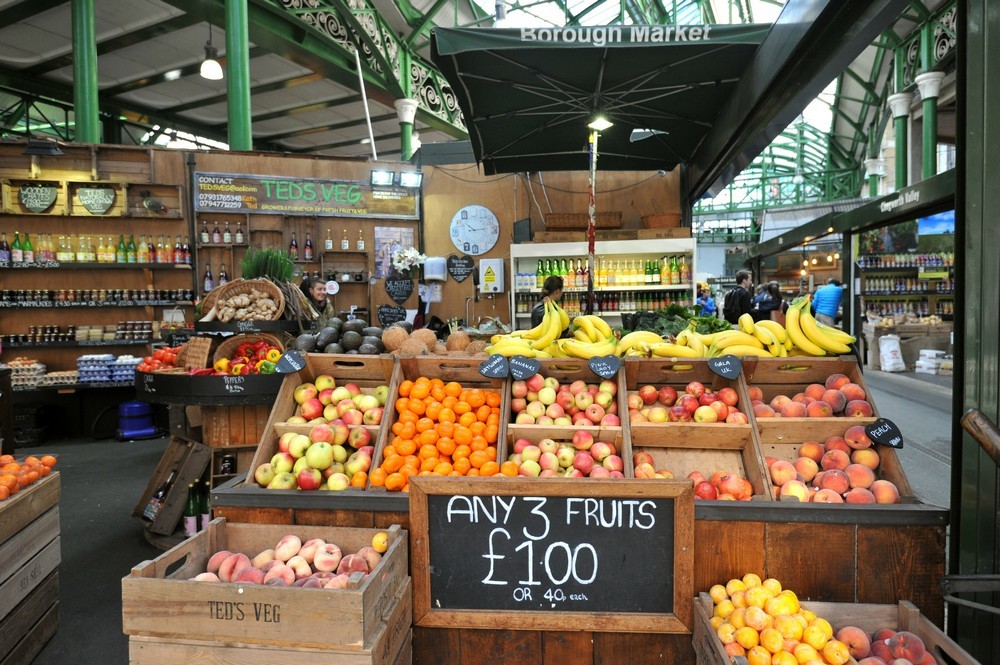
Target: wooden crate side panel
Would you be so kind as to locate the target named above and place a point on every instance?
(25, 506)
(405, 655)
(283, 409)
(384, 519)
(902, 563)
(343, 517)
(17, 587)
(642, 649)
(817, 563)
(806, 429)
(234, 514)
(727, 550)
(798, 370)
(25, 651)
(707, 647)
(40, 604)
(18, 550)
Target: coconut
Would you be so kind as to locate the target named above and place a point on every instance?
(440, 349)
(393, 337)
(476, 347)
(458, 354)
(413, 347)
(457, 341)
(426, 336)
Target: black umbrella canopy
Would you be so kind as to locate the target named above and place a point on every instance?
(528, 94)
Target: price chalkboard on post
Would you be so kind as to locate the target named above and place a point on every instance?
(541, 554)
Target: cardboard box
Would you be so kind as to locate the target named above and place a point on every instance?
(655, 234)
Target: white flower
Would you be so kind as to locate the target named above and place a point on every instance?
(407, 259)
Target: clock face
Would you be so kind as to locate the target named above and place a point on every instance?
(474, 230)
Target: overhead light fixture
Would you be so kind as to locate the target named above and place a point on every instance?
(803, 272)
(411, 179)
(814, 262)
(600, 123)
(829, 229)
(640, 134)
(210, 67)
(42, 148)
(829, 258)
(836, 255)
(798, 178)
(382, 178)
(172, 75)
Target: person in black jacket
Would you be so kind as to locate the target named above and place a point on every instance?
(551, 290)
(739, 301)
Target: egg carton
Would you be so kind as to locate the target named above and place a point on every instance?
(97, 356)
(35, 370)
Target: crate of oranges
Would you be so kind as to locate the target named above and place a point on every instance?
(446, 419)
(18, 475)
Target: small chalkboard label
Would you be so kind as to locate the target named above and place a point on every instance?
(389, 314)
(460, 267)
(522, 368)
(38, 197)
(605, 366)
(728, 367)
(495, 367)
(149, 383)
(399, 290)
(885, 432)
(97, 200)
(292, 361)
(234, 384)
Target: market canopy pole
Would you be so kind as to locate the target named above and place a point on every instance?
(592, 221)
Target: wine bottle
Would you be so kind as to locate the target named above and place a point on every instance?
(293, 248)
(130, 250)
(328, 243)
(203, 237)
(4, 248)
(155, 502)
(223, 275)
(227, 235)
(206, 510)
(208, 283)
(216, 235)
(307, 250)
(29, 251)
(238, 238)
(121, 251)
(192, 512)
(361, 241)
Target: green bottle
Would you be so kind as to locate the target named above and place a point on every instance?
(192, 512)
(130, 250)
(121, 253)
(205, 506)
(29, 251)
(539, 275)
(16, 250)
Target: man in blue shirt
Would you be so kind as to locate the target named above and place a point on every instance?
(826, 301)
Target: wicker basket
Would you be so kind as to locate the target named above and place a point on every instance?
(195, 354)
(572, 221)
(213, 297)
(227, 347)
(236, 288)
(669, 220)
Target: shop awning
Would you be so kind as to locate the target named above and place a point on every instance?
(528, 94)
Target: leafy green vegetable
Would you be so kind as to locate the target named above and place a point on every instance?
(271, 263)
(672, 320)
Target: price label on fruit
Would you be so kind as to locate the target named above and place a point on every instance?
(884, 431)
(522, 368)
(290, 362)
(605, 367)
(495, 367)
(728, 367)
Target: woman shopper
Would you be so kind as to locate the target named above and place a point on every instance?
(552, 290)
(320, 302)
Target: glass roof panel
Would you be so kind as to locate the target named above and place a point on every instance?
(534, 13)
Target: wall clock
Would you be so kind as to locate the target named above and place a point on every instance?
(475, 230)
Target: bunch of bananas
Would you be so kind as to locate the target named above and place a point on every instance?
(811, 336)
(592, 336)
(534, 343)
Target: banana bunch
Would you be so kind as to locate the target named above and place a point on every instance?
(637, 343)
(534, 343)
(812, 337)
(590, 329)
(576, 348)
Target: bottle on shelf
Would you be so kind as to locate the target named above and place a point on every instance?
(205, 505)
(293, 248)
(178, 255)
(328, 243)
(130, 250)
(151, 256)
(204, 238)
(192, 512)
(361, 241)
(307, 249)
(186, 251)
(141, 250)
(4, 248)
(223, 275)
(539, 275)
(158, 497)
(207, 282)
(345, 244)
(162, 252)
(685, 271)
(227, 235)
(121, 250)
(27, 249)
(238, 238)
(216, 235)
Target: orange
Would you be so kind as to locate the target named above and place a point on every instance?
(401, 404)
(478, 458)
(408, 416)
(428, 451)
(405, 387)
(392, 464)
(8, 480)
(44, 470)
(389, 451)
(466, 419)
(406, 447)
(411, 460)
(478, 443)
(407, 430)
(463, 436)
(6, 459)
(438, 393)
(449, 402)
(489, 469)
(10, 467)
(453, 388)
(508, 469)
(477, 428)
(473, 472)
(394, 482)
(429, 437)
(446, 429)
(461, 406)
(455, 474)
(359, 479)
(377, 477)
(446, 415)
(434, 411)
(408, 471)
(424, 424)
(491, 434)
(446, 446)
(32, 476)
(493, 420)
(4, 493)
(48, 460)
(462, 465)
(22, 480)
(420, 391)
(491, 452)
(492, 398)
(482, 413)
(417, 407)
(437, 383)
(429, 464)
(476, 398)
(31, 460)
(461, 451)
(443, 469)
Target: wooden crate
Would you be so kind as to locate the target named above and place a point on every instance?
(788, 376)
(556, 221)
(391, 645)
(581, 235)
(25, 631)
(869, 617)
(656, 234)
(684, 459)
(368, 372)
(189, 459)
(158, 600)
(621, 446)
(238, 425)
(566, 371)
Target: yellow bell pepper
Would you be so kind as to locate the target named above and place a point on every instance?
(260, 362)
(235, 369)
(222, 365)
(274, 355)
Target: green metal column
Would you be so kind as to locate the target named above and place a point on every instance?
(899, 103)
(238, 75)
(403, 107)
(86, 106)
(929, 83)
(873, 170)
(975, 486)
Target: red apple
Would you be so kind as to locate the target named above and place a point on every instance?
(705, 490)
(737, 418)
(707, 398)
(688, 402)
(695, 389)
(678, 414)
(721, 410)
(729, 396)
(667, 396)
(648, 394)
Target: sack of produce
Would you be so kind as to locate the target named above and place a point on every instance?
(890, 355)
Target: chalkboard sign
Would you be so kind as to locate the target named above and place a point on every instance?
(37, 198)
(399, 289)
(495, 367)
(885, 432)
(605, 366)
(460, 267)
(388, 315)
(728, 366)
(616, 555)
(522, 368)
(97, 200)
(290, 362)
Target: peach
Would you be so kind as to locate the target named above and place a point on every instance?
(233, 566)
(352, 563)
(327, 558)
(853, 391)
(262, 559)
(820, 410)
(782, 472)
(835, 480)
(905, 644)
(370, 555)
(215, 561)
(205, 577)
(250, 575)
(835, 399)
(857, 641)
(301, 567)
(835, 459)
(871, 660)
(271, 564)
(827, 496)
(835, 381)
(813, 450)
(778, 402)
(763, 411)
(802, 397)
(859, 495)
(858, 408)
(287, 547)
(815, 390)
(884, 491)
(807, 468)
(309, 549)
(857, 438)
(337, 582)
(282, 572)
(837, 443)
(755, 393)
(860, 476)
(734, 649)
(880, 649)
(793, 490)
(794, 410)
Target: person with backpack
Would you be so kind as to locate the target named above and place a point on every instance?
(738, 301)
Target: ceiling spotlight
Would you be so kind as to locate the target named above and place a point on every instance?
(411, 179)
(814, 261)
(210, 67)
(382, 178)
(600, 123)
(836, 255)
(805, 262)
(803, 272)
(829, 258)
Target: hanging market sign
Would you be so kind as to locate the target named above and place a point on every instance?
(97, 200)
(37, 198)
(273, 195)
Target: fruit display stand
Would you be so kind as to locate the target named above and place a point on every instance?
(869, 617)
(29, 579)
(171, 618)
